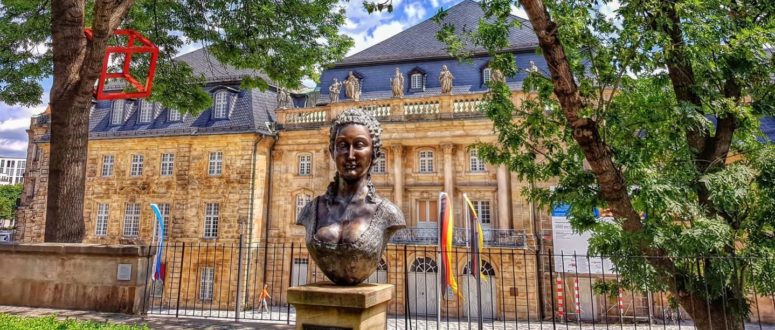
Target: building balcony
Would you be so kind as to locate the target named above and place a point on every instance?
(389, 110)
(430, 236)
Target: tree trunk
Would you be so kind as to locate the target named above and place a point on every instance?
(77, 64)
(716, 314)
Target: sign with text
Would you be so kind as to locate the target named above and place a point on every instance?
(571, 248)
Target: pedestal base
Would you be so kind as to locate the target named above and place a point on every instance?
(326, 306)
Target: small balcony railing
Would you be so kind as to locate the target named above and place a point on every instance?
(430, 236)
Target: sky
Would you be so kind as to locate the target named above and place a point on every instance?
(366, 30)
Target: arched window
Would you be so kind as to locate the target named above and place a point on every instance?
(117, 113)
(486, 75)
(417, 81)
(486, 269)
(146, 112)
(475, 163)
(425, 158)
(424, 265)
(220, 105)
(379, 166)
(305, 164)
(383, 266)
(302, 200)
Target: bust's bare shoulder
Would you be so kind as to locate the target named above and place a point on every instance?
(307, 214)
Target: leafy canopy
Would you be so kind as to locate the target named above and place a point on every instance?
(286, 40)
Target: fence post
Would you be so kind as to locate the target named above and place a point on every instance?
(239, 277)
(180, 278)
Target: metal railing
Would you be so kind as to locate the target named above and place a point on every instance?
(523, 289)
(430, 236)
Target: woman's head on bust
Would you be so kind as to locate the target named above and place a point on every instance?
(354, 144)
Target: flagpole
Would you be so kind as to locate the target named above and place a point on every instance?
(440, 262)
(468, 261)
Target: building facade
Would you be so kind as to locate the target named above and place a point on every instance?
(12, 170)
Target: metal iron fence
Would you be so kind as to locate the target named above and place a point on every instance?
(522, 289)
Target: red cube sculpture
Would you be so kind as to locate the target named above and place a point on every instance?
(144, 46)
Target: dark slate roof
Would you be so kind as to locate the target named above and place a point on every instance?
(768, 127)
(204, 63)
(419, 41)
(248, 113)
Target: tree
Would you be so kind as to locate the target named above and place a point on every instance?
(8, 196)
(662, 100)
(286, 40)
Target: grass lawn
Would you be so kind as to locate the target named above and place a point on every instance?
(13, 322)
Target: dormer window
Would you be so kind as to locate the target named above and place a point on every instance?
(220, 105)
(486, 75)
(117, 113)
(417, 81)
(174, 115)
(146, 112)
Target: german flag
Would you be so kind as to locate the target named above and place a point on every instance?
(445, 243)
(477, 241)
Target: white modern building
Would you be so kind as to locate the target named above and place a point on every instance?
(12, 170)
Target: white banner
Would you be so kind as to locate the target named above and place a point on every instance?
(571, 248)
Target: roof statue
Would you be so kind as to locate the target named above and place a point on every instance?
(352, 87)
(445, 78)
(333, 91)
(397, 84)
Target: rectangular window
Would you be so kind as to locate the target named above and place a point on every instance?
(146, 111)
(101, 224)
(482, 210)
(215, 166)
(107, 165)
(136, 168)
(417, 81)
(379, 165)
(301, 202)
(164, 208)
(219, 105)
(476, 164)
(132, 220)
(117, 113)
(305, 164)
(167, 164)
(426, 161)
(206, 281)
(212, 211)
(427, 211)
(174, 115)
(486, 75)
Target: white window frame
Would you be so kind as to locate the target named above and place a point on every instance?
(483, 210)
(146, 112)
(305, 164)
(136, 166)
(417, 81)
(132, 220)
(212, 217)
(164, 209)
(425, 160)
(117, 113)
(475, 164)
(167, 164)
(206, 283)
(174, 115)
(220, 105)
(101, 221)
(107, 165)
(302, 200)
(486, 75)
(215, 163)
(380, 165)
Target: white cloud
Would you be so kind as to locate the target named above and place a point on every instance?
(365, 40)
(15, 148)
(414, 11)
(14, 124)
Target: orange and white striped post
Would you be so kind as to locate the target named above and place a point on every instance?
(560, 302)
(621, 302)
(578, 298)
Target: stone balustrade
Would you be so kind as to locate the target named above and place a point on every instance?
(390, 109)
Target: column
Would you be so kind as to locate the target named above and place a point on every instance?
(503, 178)
(397, 151)
(449, 169)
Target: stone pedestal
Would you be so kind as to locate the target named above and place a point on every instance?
(327, 306)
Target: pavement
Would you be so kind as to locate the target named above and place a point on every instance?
(165, 322)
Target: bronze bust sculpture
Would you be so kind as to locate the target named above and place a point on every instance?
(348, 227)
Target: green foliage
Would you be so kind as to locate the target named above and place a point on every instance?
(8, 196)
(722, 211)
(13, 322)
(285, 40)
